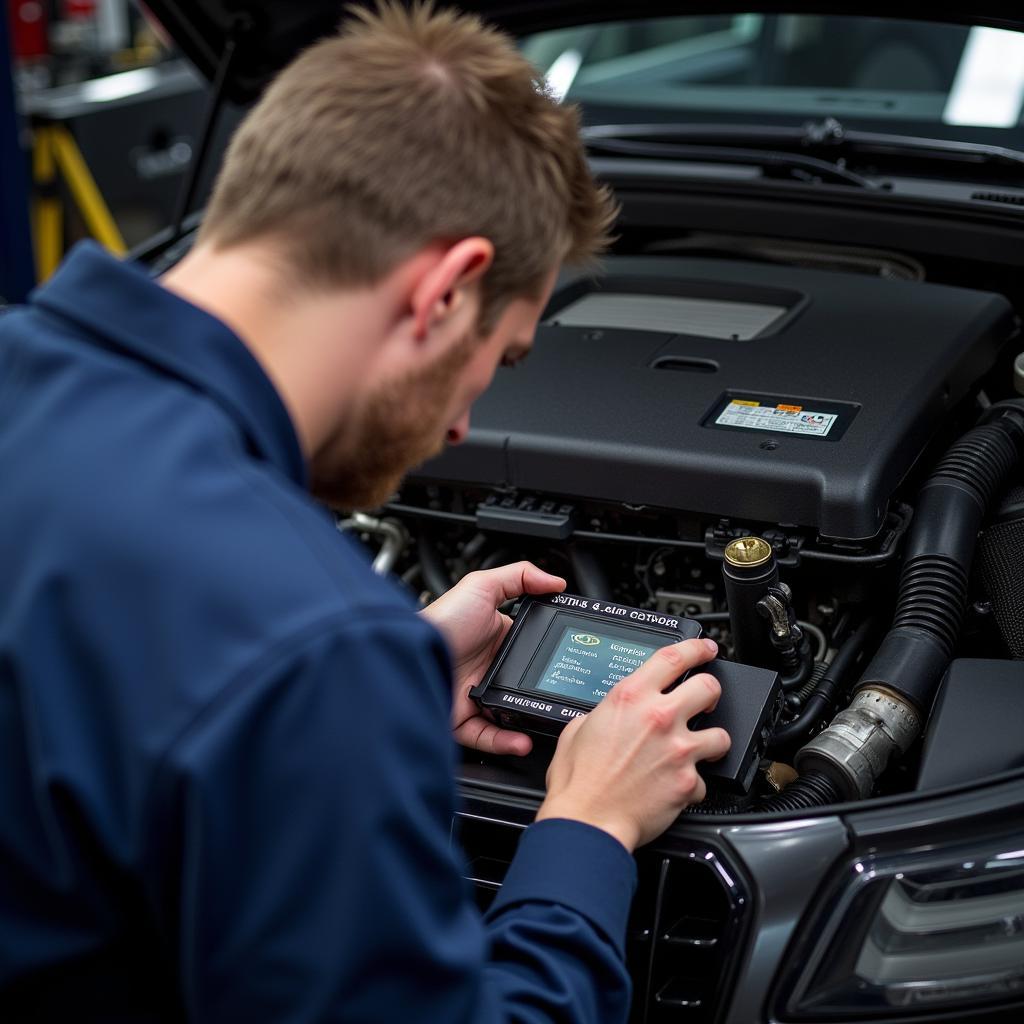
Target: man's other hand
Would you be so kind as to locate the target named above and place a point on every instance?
(469, 619)
(629, 766)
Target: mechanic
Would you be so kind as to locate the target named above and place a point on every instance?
(228, 778)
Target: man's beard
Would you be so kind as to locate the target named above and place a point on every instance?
(401, 427)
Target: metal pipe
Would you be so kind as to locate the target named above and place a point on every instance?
(391, 532)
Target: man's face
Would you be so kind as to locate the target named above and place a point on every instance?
(405, 422)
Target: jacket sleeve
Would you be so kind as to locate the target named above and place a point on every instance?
(302, 833)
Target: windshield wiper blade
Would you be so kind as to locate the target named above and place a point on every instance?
(728, 134)
(796, 165)
(943, 150)
(826, 140)
(831, 136)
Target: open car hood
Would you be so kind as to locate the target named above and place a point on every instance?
(267, 33)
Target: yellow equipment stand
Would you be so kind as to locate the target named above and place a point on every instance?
(54, 149)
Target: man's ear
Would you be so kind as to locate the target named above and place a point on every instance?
(448, 283)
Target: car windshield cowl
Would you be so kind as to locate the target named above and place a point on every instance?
(825, 148)
(725, 150)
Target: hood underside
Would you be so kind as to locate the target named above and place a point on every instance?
(268, 33)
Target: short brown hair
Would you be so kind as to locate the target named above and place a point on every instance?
(411, 126)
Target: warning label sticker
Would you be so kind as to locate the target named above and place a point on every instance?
(785, 419)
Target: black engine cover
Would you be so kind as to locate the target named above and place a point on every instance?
(767, 393)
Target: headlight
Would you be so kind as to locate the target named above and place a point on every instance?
(913, 934)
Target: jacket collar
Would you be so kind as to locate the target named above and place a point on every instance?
(123, 308)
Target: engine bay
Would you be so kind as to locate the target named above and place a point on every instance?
(675, 406)
(774, 394)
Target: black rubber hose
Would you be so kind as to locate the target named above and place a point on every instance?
(794, 680)
(812, 789)
(435, 574)
(499, 556)
(811, 685)
(591, 580)
(822, 700)
(933, 584)
(709, 810)
(940, 547)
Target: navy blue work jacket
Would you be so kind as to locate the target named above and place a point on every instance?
(226, 770)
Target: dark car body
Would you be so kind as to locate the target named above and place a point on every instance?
(891, 249)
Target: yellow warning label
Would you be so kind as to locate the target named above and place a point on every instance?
(790, 408)
(742, 401)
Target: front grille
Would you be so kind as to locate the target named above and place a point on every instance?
(685, 927)
(488, 847)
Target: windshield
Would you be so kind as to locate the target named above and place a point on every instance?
(877, 74)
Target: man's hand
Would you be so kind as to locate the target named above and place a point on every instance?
(629, 766)
(469, 620)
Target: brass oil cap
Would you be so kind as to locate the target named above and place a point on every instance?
(748, 552)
